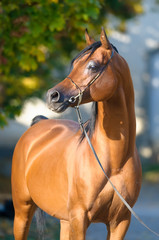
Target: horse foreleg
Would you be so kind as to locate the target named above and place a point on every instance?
(118, 231)
(78, 224)
(64, 230)
(22, 220)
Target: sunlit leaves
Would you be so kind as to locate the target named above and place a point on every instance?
(37, 38)
(27, 63)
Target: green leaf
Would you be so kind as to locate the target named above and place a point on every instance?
(3, 120)
(57, 24)
(28, 63)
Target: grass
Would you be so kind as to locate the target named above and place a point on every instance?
(52, 230)
(150, 172)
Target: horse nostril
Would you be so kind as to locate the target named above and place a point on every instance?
(55, 96)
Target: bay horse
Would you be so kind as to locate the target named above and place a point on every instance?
(53, 166)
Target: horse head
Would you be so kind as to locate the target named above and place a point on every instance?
(91, 79)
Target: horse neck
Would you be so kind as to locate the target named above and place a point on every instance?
(115, 125)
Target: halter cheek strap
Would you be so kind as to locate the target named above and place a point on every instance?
(79, 96)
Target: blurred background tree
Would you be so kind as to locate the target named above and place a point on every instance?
(37, 38)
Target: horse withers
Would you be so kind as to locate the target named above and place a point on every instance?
(53, 166)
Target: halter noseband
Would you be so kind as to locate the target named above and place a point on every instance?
(80, 94)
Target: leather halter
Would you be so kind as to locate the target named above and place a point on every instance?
(80, 94)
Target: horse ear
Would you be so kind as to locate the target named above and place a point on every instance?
(89, 40)
(104, 40)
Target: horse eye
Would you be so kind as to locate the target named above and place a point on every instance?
(93, 66)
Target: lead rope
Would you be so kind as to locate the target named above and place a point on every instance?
(117, 192)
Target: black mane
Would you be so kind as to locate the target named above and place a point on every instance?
(90, 124)
(89, 49)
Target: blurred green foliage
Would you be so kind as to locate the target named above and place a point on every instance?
(37, 38)
(52, 229)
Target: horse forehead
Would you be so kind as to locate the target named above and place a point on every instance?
(100, 53)
(97, 55)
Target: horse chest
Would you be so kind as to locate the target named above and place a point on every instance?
(108, 206)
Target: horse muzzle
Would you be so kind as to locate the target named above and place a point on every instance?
(57, 102)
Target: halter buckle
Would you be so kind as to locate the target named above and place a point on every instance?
(72, 99)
